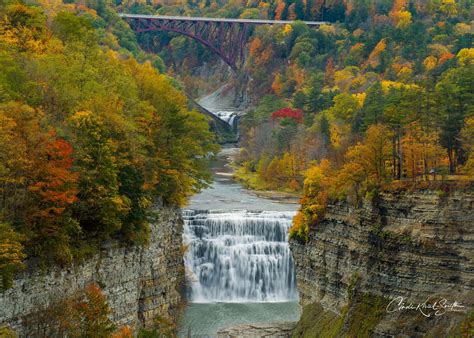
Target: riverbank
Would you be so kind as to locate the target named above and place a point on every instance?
(251, 181)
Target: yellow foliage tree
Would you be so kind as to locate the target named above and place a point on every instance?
(255, 46)
(317, 184)
(277, 85)
(287, 29)
(430, 62)
(374, 55)
(404, 19)
(420, 151)
(466, 56)
(467, 135)
(449, 7)
(367, 163)
(11, 254)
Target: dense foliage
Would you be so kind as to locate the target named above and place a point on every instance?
(385, 92)
(386, 95)
(89, 136)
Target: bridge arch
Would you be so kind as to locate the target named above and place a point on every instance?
(224, 37)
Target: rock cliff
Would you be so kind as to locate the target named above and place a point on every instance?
(141, 283)
(362, 267)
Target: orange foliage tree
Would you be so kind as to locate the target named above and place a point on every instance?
(54, 188)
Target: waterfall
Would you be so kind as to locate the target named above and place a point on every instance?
(239, 256)
(227, 116)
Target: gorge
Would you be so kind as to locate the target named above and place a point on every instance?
(238, 263)
(359, 263)
(340, 202)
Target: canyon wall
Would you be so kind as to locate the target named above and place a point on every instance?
(359, 263)
(140, 283)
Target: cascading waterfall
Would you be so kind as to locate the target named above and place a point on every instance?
(227, 116)
(239, 256)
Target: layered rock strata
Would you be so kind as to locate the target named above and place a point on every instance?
(401, 248)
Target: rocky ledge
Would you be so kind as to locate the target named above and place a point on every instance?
(392, 268)
(274, 330)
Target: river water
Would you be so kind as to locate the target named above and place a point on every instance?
(238, 265)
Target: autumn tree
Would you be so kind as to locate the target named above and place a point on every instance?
(421, 152)
(367, 162)
(93, 312)
(11, 254)
(54, 189)
(329, 73)
(315, 198)
(467, 139)
(99, 202)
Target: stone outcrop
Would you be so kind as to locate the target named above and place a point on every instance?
(274, 330)
(416, 246)
(141, 283)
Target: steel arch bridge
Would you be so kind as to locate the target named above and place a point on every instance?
(225, 37)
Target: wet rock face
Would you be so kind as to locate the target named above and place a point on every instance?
(141, 283)
(274, 330)
(415, 245)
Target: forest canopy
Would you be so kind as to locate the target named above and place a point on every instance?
(92, 134)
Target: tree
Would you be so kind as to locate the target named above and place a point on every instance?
(367, 162)
(467, 140)
(346, 107)
(373, 108)
(11, 254)
(20, 132)
(99, 202)
(421, 151)
(315, 197)
(283, 113)
(329, 74)
(454, 96)
(54, 189)
(466, 56)
(93, 314)
(285, 132)
(181, 144)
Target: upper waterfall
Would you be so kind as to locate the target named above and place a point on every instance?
(239, 256)
(227, 116)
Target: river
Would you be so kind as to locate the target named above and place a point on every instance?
(238, 265)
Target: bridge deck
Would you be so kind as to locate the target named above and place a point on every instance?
(249, 21)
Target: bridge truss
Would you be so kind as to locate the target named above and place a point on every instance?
(225, 37)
